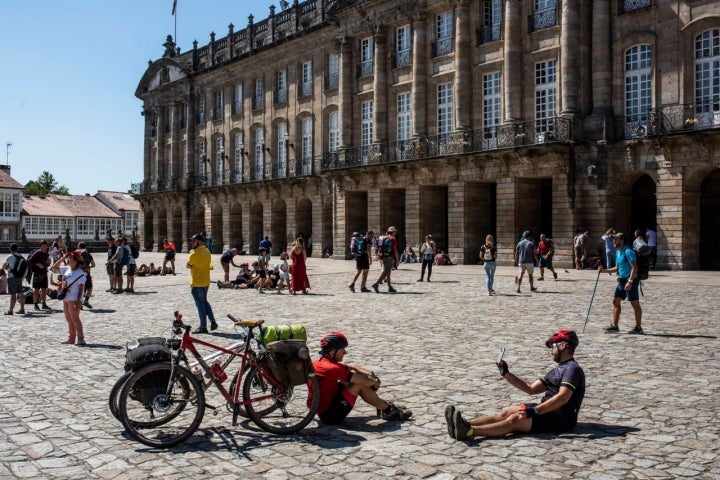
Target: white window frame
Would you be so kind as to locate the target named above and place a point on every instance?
(333, 132)
(403, 117)
(238, 156)
(445, 111)
(10, 207)
(259, 98)
(638, 89)
(282, 155)
(367, 56)
(707, 77)
(307, 145)
(238, 103)
(366, 130)
(281, 87)
(545, 98)
(259, 154)
(492, 108)
(201, 156)
(444, 33)
(201, 109)
(307, 79)
(219, 160)
(219, 102)
(402, 46)
(333, 70)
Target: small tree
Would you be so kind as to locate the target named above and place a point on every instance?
(45, 184)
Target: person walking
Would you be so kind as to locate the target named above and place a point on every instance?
(545, 251)
(88, 265)
(627, 284)
(557, 412)
(610, 250)
(227, 258)
(427, 253)
(267, 245)
(199, 265)
(651, 236)
(488, 254)
(363, 260)
(117, 261)
(15, 279)
(525, 258)
(73, 284)
(299, 280)
(389, 257)
(38, 262)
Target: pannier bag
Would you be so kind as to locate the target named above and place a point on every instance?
(148, 350)
(289, 361)
(284, 332)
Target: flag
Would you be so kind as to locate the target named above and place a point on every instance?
(174, 7)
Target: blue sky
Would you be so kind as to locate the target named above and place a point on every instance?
(68, 74)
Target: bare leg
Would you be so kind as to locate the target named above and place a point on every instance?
(638, 312)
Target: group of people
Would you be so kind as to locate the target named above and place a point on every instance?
(384, 249)
(120, 256)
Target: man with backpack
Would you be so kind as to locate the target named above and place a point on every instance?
(39, 262)
(545, 251)
(129, 260)
(118, 261)
(16, 267)
(361, 248)
(389, 256)
(628, 280)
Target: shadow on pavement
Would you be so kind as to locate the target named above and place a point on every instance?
(593, 431)
(677, 335)
(102, 345)
(99, 310)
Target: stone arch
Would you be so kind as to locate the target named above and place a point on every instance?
(256, 226)
(278, 226)
(236, 239)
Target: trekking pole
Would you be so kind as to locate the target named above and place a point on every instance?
(591, 301)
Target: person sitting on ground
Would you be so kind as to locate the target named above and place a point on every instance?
(3, 282)
(341, 384)
(443, 258)
(564, 388)
(145, 270)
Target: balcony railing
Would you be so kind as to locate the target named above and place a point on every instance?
(279, 170)
(332, 81)
(679, 118)
(257, 173)
(632, 5)
(543, 19)
(443, 46)
(366, 68)
(402, 59)
(281, 96)
(488, 33)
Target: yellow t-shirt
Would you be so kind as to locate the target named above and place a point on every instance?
(199, 260)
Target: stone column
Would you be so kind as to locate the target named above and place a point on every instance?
(160, 163)
(380, 84)
(512, 62)
(456, 221)
(413, 235)
(507, 234)
(569, 46)
(190, 139)
(346, 94)
(462, 88)
(418, 90)
(374, 211)
(175, 154)
(597, 126)
(147, 164)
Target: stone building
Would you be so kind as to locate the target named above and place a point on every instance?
(452, 117)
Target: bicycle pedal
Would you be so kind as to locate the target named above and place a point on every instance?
(214, 409)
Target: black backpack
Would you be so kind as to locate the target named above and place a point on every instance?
(359, 246)
(134, 250)
(21, 266)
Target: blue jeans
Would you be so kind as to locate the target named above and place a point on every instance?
(610, 258)
(489, 274)
(203, 307)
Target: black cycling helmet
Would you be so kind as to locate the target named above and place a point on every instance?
(333, 341)
(568, 336)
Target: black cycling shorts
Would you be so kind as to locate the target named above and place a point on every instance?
(551, 422)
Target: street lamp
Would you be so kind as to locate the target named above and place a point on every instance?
(7, 153)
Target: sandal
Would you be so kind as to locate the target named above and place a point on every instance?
(68, 342)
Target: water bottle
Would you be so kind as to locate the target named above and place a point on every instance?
(218, 371)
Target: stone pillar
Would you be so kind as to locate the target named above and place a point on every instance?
(418, 90)
(507, 235)
(373, 213)
(413, 235)
(569, 46)
(160, 163)
(175, 153)
(147, 164)
(672, 225)
(598, 124)
(512, 62)
(456, 221)
(190, 140)
(346, 94)
(380, 84)
(462, 88)
(339, 240)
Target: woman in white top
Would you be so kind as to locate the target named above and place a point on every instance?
(73, 282)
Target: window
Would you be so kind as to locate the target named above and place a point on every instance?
(183, 115)
(282, 139)
(281, 87)
(492, 21)
(259, 99)
(130, 222)
(367, 54)
(219, 163)
(403, 116)
(333, 132)
(491, 109)
(201, 110)
(638, 90)
(171, 154)
(10, 205)
(545, 98)
(402, 46)
(333, 78)
(218, 110)
(183, 149)
(259, 154)
(201, 170)
(707, 78)
(306, 88)
(307, 146)
(238, 101)
(543, 15)
(238, 157)
(445, 110)
(366, 130)
(444, 34)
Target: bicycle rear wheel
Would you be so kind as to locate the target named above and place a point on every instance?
(115, 394)
(279, 409)
(155, 419)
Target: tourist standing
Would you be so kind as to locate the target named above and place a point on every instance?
(199, 265)
(299, 280)
(488, 254)
(427, 253)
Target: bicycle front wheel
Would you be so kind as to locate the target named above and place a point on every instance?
(155, 418)
(115, 394)
(280, 409)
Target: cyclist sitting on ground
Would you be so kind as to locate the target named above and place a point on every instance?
(341, 384)
(564, 388)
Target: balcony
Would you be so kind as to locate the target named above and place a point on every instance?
(402, 59)
(488, 33)
(632, 5)
(366, 68)
(443, 46)
(542, 19)
(281, 96)
(682, 118)
(332, 81)
(279, 170)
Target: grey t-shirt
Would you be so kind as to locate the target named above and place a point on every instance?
(525, 251)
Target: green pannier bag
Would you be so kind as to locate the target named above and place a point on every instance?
(283, 332)
(289, 361)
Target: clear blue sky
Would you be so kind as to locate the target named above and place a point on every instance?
(68, 74)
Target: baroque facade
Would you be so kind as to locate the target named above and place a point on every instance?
(457, 118)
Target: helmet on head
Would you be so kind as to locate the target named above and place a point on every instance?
(568, 336)
(333, 341)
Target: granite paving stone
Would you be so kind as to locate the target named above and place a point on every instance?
(649, 411)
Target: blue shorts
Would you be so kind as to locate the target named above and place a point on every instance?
(545, 262)
(633, 295)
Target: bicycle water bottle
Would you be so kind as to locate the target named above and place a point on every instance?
(218, 371)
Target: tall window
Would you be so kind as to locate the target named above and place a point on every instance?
(282, 138)
(183, 115)
(402, 46)
(218, 110)
(491, 108)
(543, 15)
(307, 81)
(238, 100)
(638, 89)
(445, 109)
(444, 33)
(219, 160)
(259, 154)
(281, 90)
(545, 97)
(707, 77)
(492, 21)
(203, 161)
(367, 54)
(403, 116)
(307, 146)
(333, 77)
(333, 132)
(238, 157)
(366, 130)
(201, 110)
(10, 205)
(259, 98)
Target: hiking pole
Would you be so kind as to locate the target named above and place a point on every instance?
(591, 301)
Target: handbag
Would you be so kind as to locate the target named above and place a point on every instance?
(63, 292)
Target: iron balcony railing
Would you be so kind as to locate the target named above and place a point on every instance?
(543, 19)
(632, 5)
(332, 81)
(402, 58)
(443, 46)
(671, 119)
(488, 33)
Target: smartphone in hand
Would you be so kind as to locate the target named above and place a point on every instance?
(501, 352)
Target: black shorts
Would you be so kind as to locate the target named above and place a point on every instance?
(40, 280)
(118, 269)
(131, 269)
(110, 269)
(551, 422)
(362, 262)
(338, 410)
(88, 282)
(169, 255)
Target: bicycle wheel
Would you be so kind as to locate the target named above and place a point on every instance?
(115, 394)
(279, 409)
(154, 418)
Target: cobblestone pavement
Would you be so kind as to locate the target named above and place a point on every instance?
(650, 410)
